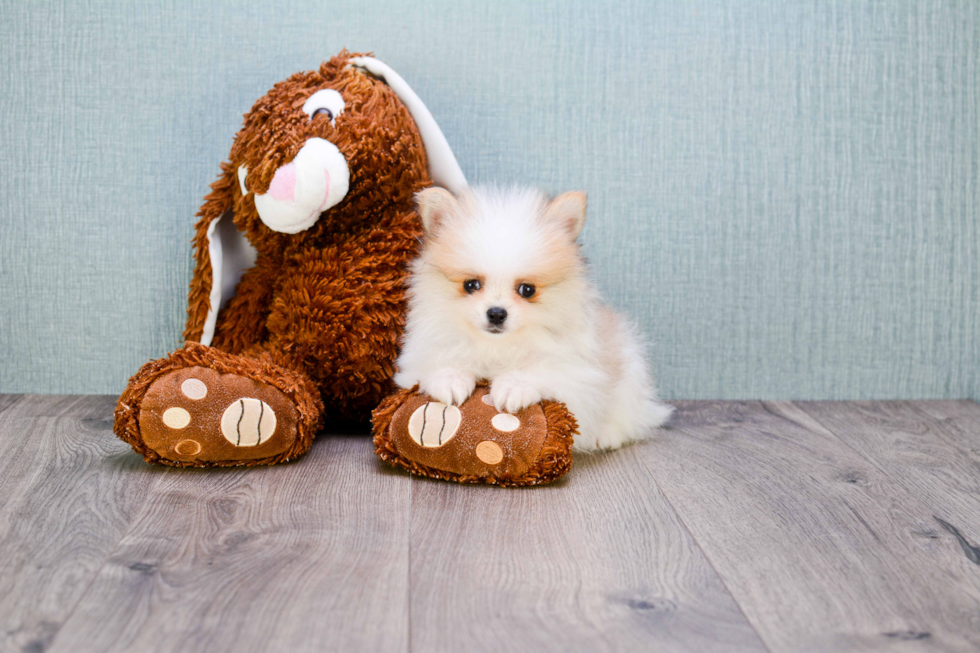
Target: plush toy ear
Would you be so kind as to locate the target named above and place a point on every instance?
(222, 254)
(443, 167)
(435, 206)
(568, 209)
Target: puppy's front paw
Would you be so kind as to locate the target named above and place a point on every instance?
(448, 385)
(513, 393)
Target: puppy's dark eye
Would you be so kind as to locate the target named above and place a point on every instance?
(322, 110)
(526, 290)
(472, 285)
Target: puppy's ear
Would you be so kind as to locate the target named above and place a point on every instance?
(436, 205)
(568, 210)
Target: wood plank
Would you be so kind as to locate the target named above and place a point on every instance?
(597, 561)
(961, 426)
(821, 550)
(960, 423)
(6, 401)
(931, 449)
(305, 556)
(76, 406)
(70, 489)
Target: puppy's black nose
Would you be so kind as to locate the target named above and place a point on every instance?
(496, 315)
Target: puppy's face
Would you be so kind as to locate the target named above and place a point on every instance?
(500, 261)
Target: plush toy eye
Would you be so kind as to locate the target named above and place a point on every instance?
(472, 285)
(526, 290)
(327, 101)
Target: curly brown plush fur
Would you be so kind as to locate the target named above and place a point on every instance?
(330, 301)
(321, 310)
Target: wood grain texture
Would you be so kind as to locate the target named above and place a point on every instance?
(745, 526)
(6, 401)
(959, 423)
(821, 549)
(931, 449)
(69, 490)
(308, 556)
(595, 562)
(74, 406)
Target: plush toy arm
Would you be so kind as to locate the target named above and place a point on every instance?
(216, 203)
(339, 310)
(243, 318)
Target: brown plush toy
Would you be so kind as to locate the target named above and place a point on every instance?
(298, 300)
(320, 183)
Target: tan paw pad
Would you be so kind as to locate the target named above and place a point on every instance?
(194, 389)
(505, 422)
(433, 424)
(489, 452)
(248, 422)
(188, 447)
(176, 418)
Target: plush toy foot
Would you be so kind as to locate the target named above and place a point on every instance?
(473, 443)
(201, 407)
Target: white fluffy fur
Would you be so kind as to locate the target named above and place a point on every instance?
(564, 344)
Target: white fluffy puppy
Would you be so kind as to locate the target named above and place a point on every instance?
(500, 292)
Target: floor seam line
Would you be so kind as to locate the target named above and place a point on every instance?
(844, 442)
(704, 553)
(408, 567)
(925, 503)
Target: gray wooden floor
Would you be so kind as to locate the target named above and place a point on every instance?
(744, 527)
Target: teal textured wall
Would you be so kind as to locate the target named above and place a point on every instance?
(783, 195)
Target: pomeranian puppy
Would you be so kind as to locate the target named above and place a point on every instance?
(500, 292)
